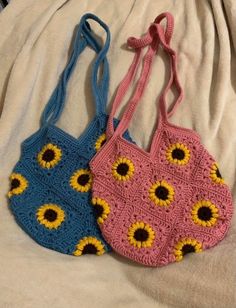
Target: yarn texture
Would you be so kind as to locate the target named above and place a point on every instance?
(167, 202)
(50, 193)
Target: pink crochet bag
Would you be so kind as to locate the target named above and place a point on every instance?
(156, 206)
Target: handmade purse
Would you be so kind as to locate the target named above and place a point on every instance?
(158, 205)
(50, 185)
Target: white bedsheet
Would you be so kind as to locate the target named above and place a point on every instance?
(35, 38)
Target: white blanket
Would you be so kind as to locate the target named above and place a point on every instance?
(35, 41)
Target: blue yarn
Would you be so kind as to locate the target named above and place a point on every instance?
(52, 186)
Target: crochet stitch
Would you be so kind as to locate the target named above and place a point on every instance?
(167, 202)
(50, 194)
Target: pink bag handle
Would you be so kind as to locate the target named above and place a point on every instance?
(173, 77)
(138, 45)
(153, 38)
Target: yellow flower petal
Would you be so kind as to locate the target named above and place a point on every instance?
(88, 245)
(122, 169)
(100, 141)
(49, 156)
(81, 180)
(205, 213)
(181, 151)
(137, 238)
(18, 184)
(157, 197)
(50, 215)
(183, 247)
(102, 209)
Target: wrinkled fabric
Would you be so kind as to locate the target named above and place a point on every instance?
(34, 48)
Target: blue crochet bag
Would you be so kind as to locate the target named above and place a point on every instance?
(50, 193)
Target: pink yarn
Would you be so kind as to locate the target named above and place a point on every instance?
(166, 202)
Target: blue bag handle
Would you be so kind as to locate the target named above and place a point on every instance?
(84, 38)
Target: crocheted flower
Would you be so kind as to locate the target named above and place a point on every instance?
(186, 246)
(122, 169)
(100, 142)
(204, 213)
(215, 174)
(161, 193)
(89, 245)
(102, 209)
(141, 235)
(49, 156)
(50, 215)
(178, 154)
(81, 180)
(18, 184)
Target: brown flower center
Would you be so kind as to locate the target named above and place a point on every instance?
(83, 179)
(162, 192)
(178, 154)
(98, 209)
(122, 169)
(15, 183)
(50, 215)
(48, 155)
(141, 235)
(187, 248)
(218, 174)
(204, 213)
(89, 249)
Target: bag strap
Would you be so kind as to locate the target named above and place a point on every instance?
(152, 39)
(84, 37)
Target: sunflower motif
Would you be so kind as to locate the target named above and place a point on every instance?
(216, 175)
(102, 209)
(89, 245)
(100, 142)
(141, 235)
(122, 169)
(178, 154)
(185, 246)
(81, 180)
(205, 213)
(18, 184)
(161, 193)
(50, 215)
(49, 156)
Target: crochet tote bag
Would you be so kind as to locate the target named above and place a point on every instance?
(50, 185)
(158, 205)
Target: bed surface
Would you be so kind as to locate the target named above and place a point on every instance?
(35, 41)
